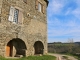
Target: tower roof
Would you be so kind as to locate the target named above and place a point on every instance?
(46, 2)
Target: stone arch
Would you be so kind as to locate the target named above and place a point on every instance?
(16, 47)
(39, 47)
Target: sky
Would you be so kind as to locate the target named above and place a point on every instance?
(63, 20)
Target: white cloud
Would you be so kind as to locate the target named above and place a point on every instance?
(54, 22)
(71, 28)
(58, 28)
(78, 2)
(71, 23)
(68, 11)
(76, 13)
(55, 6)
(64, 32)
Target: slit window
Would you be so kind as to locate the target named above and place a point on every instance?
(39, 7)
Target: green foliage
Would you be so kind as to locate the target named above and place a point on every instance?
(44, 57)
(76, 56)
(65, 57)
(71, 48)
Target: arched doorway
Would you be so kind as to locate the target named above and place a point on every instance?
(16, 47)
(38, 46)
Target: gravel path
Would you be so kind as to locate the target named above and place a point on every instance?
(60, 57)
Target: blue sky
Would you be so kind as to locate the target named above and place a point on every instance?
(63, 20)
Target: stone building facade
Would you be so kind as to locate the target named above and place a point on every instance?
(23, 27)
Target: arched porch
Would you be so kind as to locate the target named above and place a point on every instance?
(16, 47)
(39, 47)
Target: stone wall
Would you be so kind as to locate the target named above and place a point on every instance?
(33, 28)
(0, 5)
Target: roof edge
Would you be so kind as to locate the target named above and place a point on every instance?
(47, 2)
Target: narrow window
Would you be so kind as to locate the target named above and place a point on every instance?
(39, 6)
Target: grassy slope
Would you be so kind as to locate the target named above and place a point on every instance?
(45, 57)
(76, 56)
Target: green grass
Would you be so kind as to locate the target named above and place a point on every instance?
(65, 57)
(74, 55)
(44, 57)
(77, 56)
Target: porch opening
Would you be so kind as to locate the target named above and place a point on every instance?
(39, 48)
(16, 47)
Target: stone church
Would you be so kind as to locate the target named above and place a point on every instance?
(23, 27)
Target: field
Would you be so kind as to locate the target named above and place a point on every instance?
(44, 57)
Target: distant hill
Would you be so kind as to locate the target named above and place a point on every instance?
(77, 42)
(58, 47)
